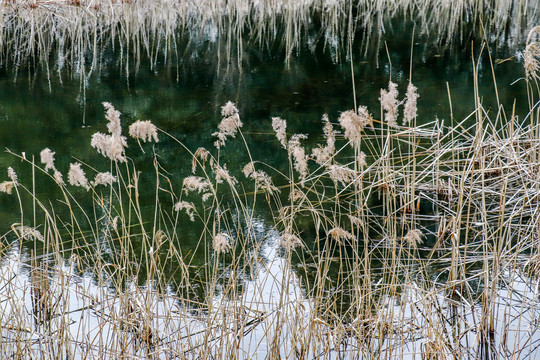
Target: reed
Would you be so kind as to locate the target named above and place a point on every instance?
(80, 35)
(389, 239)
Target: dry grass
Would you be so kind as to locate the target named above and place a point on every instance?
(78, 35)
(391, 240)
(403, 241)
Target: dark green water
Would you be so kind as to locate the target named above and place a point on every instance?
(61, 111)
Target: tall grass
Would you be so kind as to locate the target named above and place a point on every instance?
(388, 240)
(79, 34)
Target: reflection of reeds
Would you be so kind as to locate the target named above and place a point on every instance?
(77, 34)
(383, 240)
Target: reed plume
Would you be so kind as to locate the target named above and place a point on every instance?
(144, 130)
(221, 243)
(77, 177)
(389, 102)
(188, 207)
(289, 242)
(410, 109)
(280, 128)
(47, 158)
(229, 125)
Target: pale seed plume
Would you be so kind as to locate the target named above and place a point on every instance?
(196, 183)
(353, 124)
(389, 102)
(47, 158)
(248, 169)
(323, 154)
(27, 232)
(340, 235)
(58, 177)
(361, 160)
(12, 175)
(201, 154)
(355, 220)
(222, 174)
(531, 62)
(7, 187)
(228, 109)
(280, 128)
(144, 130)
(113, 145)
(410, 110)
(229, 125)
(341, 174)
(290, 242)
(188, 207)
(105, 178)
(77, 177)
(109, 146)
(113, 116)
(221, 243)
(299, 155)
(264, 182)
(413, 238)
(262, 179)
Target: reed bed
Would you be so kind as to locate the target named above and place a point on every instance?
(79, 35)
(387, 240)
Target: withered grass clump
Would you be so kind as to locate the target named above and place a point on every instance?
(78, 34)
(384, 240)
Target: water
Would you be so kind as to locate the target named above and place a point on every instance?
(61, 110)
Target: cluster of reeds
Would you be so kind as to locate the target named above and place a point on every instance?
(80, 34)
(389, 239)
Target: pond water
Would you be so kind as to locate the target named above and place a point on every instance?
(61, 110)
(269, 290)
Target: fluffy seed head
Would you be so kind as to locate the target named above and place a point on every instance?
(12, 175)
(299, 155)
(340, 235)
(341, 174)
(144, 130)
(202, 154)
(229, 109)
(7, 187)
(58, 177)
(248, 169)
(188, 207)
(353, 124)
(229, 125)
(280, 128)
(322, 154)
(290, 242)
(27, 232)
(221, 243)
(264, 182)
(361, 160)
(196, 183)
(77, 177)
(410, 110)
(414, 238)
(110, 146)
(389, 102)
(531, 61)
(113, 116)
(222, 173)
(105, 178)
(47, 158)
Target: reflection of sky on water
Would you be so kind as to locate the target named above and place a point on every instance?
(88, 319)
